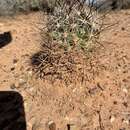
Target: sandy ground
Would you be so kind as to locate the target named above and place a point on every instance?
(101, 103)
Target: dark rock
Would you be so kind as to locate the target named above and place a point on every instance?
(5, 39)
(12, 69)
(15, 61)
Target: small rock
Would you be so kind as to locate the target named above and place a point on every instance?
(22, 81)
(51, 125)
(125, 80)
(12, 68)
(126, 122)
(125, 90)
(15, 61)
(115, 102)
(112, 119)
(93, 91)
(72, 127)
(74, 90)
(13, 86)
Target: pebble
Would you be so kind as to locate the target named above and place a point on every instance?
(12, 68)
(13, 86)
(112, 119)
(22, 81)
(125, 90)
(15, 61)
(72, 127)
(74, 90)
(51, 125)
(126, 122)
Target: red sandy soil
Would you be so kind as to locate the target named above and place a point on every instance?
(101, 103)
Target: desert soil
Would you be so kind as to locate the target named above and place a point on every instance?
(101, 103)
